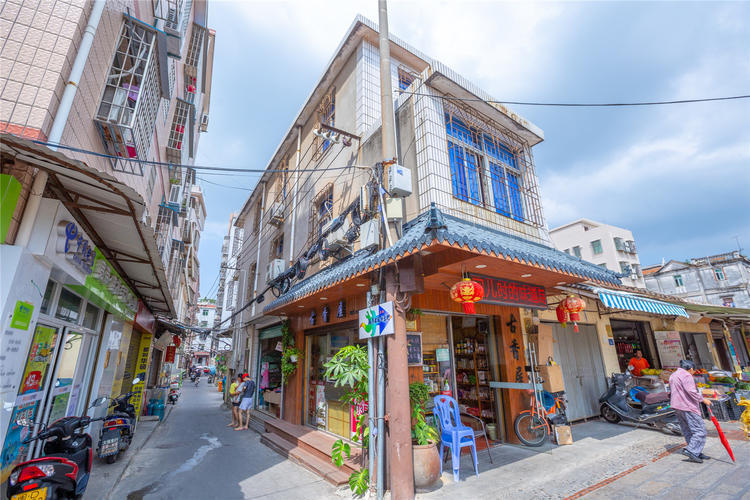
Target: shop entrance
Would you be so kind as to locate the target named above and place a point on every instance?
(268, 377)
(629, 337)
(696, 349)
(324, 410)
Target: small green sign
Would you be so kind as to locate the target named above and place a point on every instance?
(10, 190)
(22, 315)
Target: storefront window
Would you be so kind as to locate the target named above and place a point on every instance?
(325, 411)
(91, 316)
(71, 348)
(471, 351)
(436, 359)
(47, 297)
(68, 306)
(269, 376)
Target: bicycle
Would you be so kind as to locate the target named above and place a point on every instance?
(533, 426)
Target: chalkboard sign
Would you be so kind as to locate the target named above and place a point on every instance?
(414, 348)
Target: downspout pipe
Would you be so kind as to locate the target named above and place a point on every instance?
(61, 119)
(294, 199)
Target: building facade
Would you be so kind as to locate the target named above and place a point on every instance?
(226, 333)
(722, 280)
(322, 241)
(101, 109)
(605, 245)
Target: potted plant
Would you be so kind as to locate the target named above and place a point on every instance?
(290, 355)
(424, 439)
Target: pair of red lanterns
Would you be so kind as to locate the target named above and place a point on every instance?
(569, 308)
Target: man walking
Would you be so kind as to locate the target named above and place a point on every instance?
(686, 400)
(248, 391)
(234, 397)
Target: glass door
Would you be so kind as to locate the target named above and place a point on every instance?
(63, 387)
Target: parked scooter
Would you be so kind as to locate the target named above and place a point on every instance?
(648, 408)
(118, 429)
(63, 471)
(174, 392)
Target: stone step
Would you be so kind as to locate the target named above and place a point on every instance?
(326, 470)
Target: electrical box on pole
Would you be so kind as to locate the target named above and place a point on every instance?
(399, 181)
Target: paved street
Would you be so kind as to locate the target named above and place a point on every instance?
(194, 455)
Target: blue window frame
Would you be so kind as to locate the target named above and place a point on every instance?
(465, 174)
(514, 189)
(404, 79)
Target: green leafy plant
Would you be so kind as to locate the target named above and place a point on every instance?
(422, 432)
(349, 368)
(288, 367)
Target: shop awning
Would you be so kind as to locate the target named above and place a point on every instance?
(632, 302)
(109, 211)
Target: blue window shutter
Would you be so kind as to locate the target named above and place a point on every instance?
(514, 189)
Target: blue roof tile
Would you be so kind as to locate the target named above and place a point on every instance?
(434, 225)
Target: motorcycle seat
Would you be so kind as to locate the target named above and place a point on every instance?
(656, 397)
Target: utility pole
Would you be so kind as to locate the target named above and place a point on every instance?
(397, 390)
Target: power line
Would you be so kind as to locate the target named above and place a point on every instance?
(581, 104)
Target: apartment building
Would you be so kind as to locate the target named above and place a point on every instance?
(605, 245)
(226, 324)
(462, 200)
(722, 280)
(102, 104)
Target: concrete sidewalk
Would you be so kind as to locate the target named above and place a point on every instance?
(600, 452)
(105, 476)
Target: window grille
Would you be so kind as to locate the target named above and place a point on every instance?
(177, 132)
(405, 78)
(165, 103)
(326, 116)
(130, 100)
(322, 211)
(174, 14)
(196, 46)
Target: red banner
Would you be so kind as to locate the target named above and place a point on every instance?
(169, 355)
(511, 293)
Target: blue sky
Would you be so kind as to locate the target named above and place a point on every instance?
(677, 176)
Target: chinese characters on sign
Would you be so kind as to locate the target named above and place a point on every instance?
(75, 246)
(142, 366)
(507, 292)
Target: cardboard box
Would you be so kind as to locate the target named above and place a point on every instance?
(563, 435)
(543, 343)
(553, 378)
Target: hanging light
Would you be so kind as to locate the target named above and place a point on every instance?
(573, 305)
(467, 292)
(176, 340)
(562, 314)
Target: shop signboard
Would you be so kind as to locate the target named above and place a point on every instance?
(669, 345)
(14, 450)
(141, 371)
(105, 288)
(414, 348)
(355, 411)
(21, 318)
(169, 354)
(511, 293)
(40, 354)
(376, 321)
(75, 246)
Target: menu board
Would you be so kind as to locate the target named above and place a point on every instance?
(414, 348)
(669, 345)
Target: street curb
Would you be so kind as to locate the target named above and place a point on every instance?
(167, 412)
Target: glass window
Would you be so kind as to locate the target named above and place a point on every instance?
(719, 273)
(596, 246)
(624, 267)
(577, 252)
(678, 280)
(91, 317)
(603, 264)
(68, 306)
(47, 297)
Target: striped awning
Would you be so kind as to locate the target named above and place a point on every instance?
(630, 302)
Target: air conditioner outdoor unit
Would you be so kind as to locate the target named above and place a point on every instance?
(369, 233)
(634, 277)
(277, 214)
(204, 123)
(275, 268)
(337, 239)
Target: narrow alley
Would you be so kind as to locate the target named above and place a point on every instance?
(195, 455)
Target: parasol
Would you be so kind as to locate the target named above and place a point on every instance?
(722, 437)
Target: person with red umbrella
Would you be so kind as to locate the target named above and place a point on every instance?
(685, 399)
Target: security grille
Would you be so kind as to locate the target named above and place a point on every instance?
(177, 132)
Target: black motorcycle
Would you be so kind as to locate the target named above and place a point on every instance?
(64, 469)
(642, 407)
(118, 429)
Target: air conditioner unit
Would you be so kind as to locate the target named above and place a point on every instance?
(634, 277)
(369, 233)
(275, 268)
(337, 239)
(399, 181)
(277, 214)
(204, 123)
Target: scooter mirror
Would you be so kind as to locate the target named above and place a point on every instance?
(136, 380)
(98, 401)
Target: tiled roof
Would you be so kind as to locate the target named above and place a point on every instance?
(434, 226)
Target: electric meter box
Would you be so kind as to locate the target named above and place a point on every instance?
(399, 181)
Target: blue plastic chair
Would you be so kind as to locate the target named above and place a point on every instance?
(453, 433)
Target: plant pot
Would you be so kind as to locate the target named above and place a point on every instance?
(426, 464)
(293, 358)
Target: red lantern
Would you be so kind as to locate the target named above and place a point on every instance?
(467, 292)
(562, 315)
(176, 340)
(573, 305)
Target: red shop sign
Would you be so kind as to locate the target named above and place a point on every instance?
(169, 355)
(511, 293)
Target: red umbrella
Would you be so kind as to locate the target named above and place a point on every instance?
(722, 437)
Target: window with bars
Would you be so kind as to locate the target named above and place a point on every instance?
(326, 116)
(405, 78)
(196, 46)
(277, 247)
(321, 212)
(127, 111)
(176, 141)
(484, 170)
